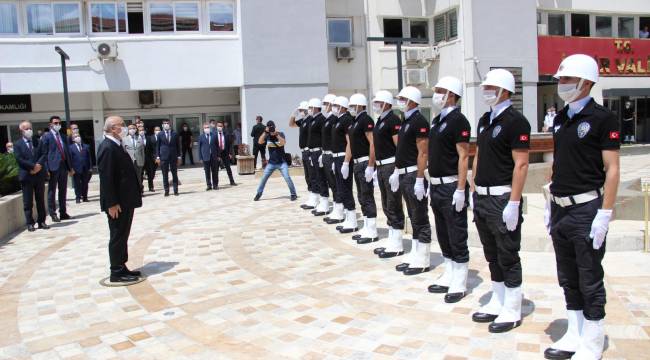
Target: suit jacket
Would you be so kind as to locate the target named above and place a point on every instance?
(27, 159)
(136, 152)
(168, 150)
(118, 181)
(80, 160)
(227, 143)
(208, 150)
(51, 149)
(150, 149)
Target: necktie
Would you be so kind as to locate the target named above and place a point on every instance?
(221, 141)
(29, 145)
(79, 148)
(58, 145)
(167, 132)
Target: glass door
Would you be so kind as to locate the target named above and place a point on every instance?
(642, 119)
(193, 122)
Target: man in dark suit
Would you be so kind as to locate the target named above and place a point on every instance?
(56, 151)
(119, 196)
(168, 156)
(31, 173)
(150, 149)
(82, 165)
(209, 155)
(224, 144)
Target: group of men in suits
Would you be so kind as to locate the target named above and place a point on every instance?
(214, 145)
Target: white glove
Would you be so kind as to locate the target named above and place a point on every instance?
(599, 227)
(345, 170)
(547, 216)
(320, 161)
(471, 200)
(370, 171)
(393, 180)
(511, 215)
(458, 200)
(419, 189)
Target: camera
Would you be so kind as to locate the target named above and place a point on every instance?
(271, 129)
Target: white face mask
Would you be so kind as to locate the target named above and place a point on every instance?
(401, 104)
(219, 128)
(353, 111)
(206, 130)
(310, 112)
(336, 110)
(166, 126)
(56, 127)
(376, 108)
(439, 100)
(28, 133)
(10, 150)
(491, 97)
(569, 92)
(77, 140)
(131, 132)
(124, 132)
(156, 132)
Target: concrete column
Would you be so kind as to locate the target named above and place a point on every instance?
(98, 118)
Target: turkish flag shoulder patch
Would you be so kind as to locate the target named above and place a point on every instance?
(614, 135)
(423, 130)
(369, 126)
(465, 133)
(397, 127)
(523, 137)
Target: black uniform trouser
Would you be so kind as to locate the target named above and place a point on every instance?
(211, 169)
(81, 184)
(259, 149)
(417, 209)
(628, 128)
(344, 193)
(166, 166)
(500, 246)
(579, 269)
(225, 162)
(306, 165)
(391, 202)
(150, 168)
(451, 226)
(330, 178)
(34, 188)
(365, 191)
(58, 181)
(317, 175)
(120, 229)
(188, 150)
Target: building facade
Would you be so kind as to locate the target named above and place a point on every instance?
(193, 61)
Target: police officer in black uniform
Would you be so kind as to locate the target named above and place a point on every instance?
(315, 143)
(384, 137)
(327, 161)
(340, 147)
(500, 169)
(582, 195)
(448, 163)
(300, 119)
(361, 151)
(410, 165)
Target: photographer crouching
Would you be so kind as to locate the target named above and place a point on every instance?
(278, 159)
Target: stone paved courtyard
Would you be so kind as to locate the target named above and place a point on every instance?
(229, 278)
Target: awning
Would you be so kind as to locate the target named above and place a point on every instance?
(626, 92)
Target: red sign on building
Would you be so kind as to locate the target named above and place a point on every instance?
(616, 57)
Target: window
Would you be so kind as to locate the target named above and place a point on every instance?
(625, 27)
(644, 27)
(539, 18)
(221, 16)
(579, 24)
(107, 17)
(556, 24)
(339, 32)
(445, 26)
(392, 28)
(53, 18)
(419, 30)
(603, 26)
(8, 18)
(177, 16)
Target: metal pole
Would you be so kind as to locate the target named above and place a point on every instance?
(400, 81)
(66, 102)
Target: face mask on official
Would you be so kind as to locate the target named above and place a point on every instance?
(402, 104)
(219, 128)
(336, 110)
(491, 97)
(166, 126)
(206, 130)
(156, 132)
(377, 108)
(310, 112)
(439, 100)
(569, 92)
(10, 150)
(28, 133)
(354, 110)
(77, 140)
(56, 127)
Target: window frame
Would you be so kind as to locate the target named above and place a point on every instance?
(24, 17)
(172, 3)
(89, 18)
(350, 26)
(17, 7)
(235, 18)
(595, 27)
(445, 15)
(410, 35)
(635, 31)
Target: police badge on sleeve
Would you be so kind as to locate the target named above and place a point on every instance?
(583, 129)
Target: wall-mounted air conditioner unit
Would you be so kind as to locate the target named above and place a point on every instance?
(431, 53)
(415, 76)
(412, 55)
(107, 51)
(149, 98)
(344, 53)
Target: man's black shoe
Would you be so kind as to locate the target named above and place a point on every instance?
(401, 267)
(480, 317)
(132, 272)
(151, 190)
(294, 197)
(555, 354)
(78, 201)
(123, 277)
(451, 298)
(85, 199)
(390, 254)
(65, 217)
(55, 218)
(43, 226)
(503, 327)
(166, 193)
(215, 187)
(175, 193)
(378, 250)
(233, 184)
(366, 240)
(31, 228)
(347, 230)
(438, 289)
(414, 271)
(257, 196)
(209, 188)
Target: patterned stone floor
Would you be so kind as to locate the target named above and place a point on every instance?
(229, 278)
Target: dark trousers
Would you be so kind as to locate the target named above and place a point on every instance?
(628, 128)
(225, 162)
(417, 209)
(120, 229)
(344, 193)
(317, 175)
(81, 184)
(330, 178)
(306, 164)
(579, 269)
(259, 149)
(150, 169)
(58, 181)
(365, 191)
(34, 188)
(166, 166)
(211, 169)
(500, 246)
(391, 202)
(451, 226)
(187, 150)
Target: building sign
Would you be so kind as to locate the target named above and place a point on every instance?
(616, 57)
(15, 103)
